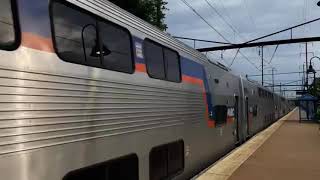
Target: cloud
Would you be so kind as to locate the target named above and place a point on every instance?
(251, 18)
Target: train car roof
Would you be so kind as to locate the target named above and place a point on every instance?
(112, 12)
(108, 10)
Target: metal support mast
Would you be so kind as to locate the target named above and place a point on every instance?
(307, 78)
(273, 79)
(262, 66)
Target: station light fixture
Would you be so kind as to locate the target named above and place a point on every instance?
(311, 69)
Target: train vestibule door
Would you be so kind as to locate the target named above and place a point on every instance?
(247, 117)
(237, 120)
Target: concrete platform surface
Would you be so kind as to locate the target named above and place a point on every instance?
(287, 150)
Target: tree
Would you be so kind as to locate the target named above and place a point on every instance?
(314, 89)
(152, 11)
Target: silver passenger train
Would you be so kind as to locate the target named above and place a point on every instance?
(89, 91)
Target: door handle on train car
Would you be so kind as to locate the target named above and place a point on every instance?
(234, 132)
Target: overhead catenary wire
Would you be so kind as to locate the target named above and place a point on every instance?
(220, 34)
(247, 59)
(274, 53)
(284, 73)
(199, 15)
(224, 20)
(226, 12)
(234, 58)
(245, 3)
(233, 29)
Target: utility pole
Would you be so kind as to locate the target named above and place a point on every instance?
(280, 89)
(307, 79)
(262, 65)
(303, 78)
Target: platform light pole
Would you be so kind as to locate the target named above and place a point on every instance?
(311, 70)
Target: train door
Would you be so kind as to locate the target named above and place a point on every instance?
(237, 119)
(247, 116)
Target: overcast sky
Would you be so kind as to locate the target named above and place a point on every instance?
(250, 19)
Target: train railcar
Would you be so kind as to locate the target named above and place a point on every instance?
(89, 91)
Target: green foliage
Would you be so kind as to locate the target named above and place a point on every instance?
(315, 90)
(152, 11)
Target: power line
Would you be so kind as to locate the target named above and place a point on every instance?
(227, 12)
(305, 14)
(248, 12)
(233, 28)
(274, 53)
(287, 29)
(221, 35)
(234, 58)
(199, 40)
(285, 73)
(223, 19)
(249, 61)
(291, 81)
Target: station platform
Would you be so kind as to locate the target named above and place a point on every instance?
(287, 150)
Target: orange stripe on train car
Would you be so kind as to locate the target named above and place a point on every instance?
(192, 80)
(141, 67)
(37, 42)
(230, 120)
(211, 124)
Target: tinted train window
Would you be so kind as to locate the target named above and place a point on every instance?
(83, 38)
(162, 63)
(166, 161)
(255, 111)
(122, 168)
(8, 28)
(172, 65)
(118, 42)
(155, 60)
(221, 113)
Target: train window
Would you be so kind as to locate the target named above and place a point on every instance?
(83, 38)
(166, 161)
(75, 34)
(9, 35)
(172, 65)
(255, 111)
(175, 157)
(162, 63)
(155, 60)
(221, 113)
(111, 170)
(118, 42)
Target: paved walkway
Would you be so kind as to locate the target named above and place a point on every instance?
(286, 150)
